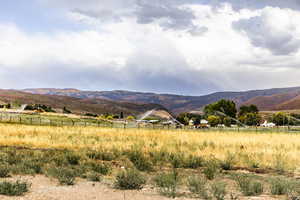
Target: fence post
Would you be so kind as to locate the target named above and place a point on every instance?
(20, 120)
(40, 121)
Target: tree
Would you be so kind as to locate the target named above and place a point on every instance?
(184, 118)
(121, 115)
(250, 119)
(248, 109)
(227, 121)
(213, 120)
(223, 106)
(66, 111)
(280, 119)
(130, 118)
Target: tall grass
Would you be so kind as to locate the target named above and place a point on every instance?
(247, 147)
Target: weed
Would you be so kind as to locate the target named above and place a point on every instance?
(101, 168)
(280, 186)
(72, 158)
(211, 169)
(130, 179)
(4, 171)
(65, 176)
(13, 188)
(229, 161)
(198, 186)
(168, 183)
(218, 190)
(248, 186)
(193, 162)
(94, 177)
(139, 160)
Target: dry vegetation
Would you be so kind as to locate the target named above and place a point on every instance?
(265, 149)
(196, 164)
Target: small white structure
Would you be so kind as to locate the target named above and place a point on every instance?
(191, 123)
(203, 122)
(269, 125)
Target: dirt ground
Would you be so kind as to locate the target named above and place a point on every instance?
(43, 188)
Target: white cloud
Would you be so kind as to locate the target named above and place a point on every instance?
(117, 51)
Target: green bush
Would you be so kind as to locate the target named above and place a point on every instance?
(218, 190)
(4, 171)
(101, 168)
(177, 160)
(280, 186)
(130, 179)
(168, 183)
(13, 188)
(211, 169)
(193, 162)
(101, 155)
(248, 186)
(94, 177)
(198, 186)
(228, 162)
(65, 176)
(72, 158)
(140, 161)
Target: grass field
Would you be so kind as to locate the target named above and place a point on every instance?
(205, 162)
(267, 150)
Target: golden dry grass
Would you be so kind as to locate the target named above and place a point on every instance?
(265, 149)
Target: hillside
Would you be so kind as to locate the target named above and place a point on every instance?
(77, 105)
(267, 99)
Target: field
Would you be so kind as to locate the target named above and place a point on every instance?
(36, 149)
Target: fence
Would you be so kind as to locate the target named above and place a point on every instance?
(42, 120)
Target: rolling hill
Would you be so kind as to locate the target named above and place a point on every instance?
(77, 105)
(268, 99)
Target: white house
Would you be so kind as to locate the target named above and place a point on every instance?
(269, 125)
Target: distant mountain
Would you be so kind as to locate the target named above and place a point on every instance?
(268, 99)
(77, 105)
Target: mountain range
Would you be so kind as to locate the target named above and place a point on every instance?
(266, 99)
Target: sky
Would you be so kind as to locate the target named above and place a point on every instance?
(190, 47)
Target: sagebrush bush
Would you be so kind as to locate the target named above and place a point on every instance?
(13, 188)
(101, 155)
(4, 171)
(248, 186)
(168, 183)
(228, 162)
(72, 158)
(218, 190)
(101, 168)
(198, 186)
(130, 179)
(94, 177)
(211, 169)
(65, 176)
(193, 162)
(176, 160)
(280, 186)
(140, 161)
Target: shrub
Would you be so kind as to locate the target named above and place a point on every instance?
(101, 168)
(101, 155)
(168, 183)
(13, 188)
(65, 176)
(130, 179)
(248, 186)
(176, 160)
(92, 176)
(4, 171)
(228, 163)
(139, 160)
(193, 162)
(280, 186)
(198, 186)
(72, 158)
(218, 190)
(211, 169)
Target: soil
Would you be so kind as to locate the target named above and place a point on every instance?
(43, 188)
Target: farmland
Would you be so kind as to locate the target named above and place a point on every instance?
(261, 156)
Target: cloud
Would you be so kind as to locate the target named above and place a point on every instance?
(274, 29)
(181, 46)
